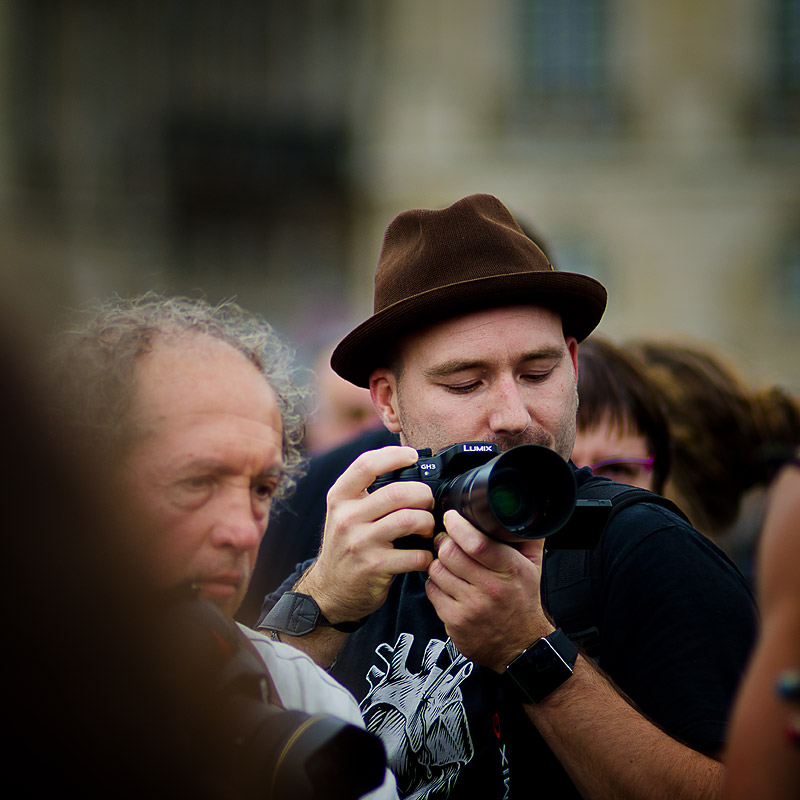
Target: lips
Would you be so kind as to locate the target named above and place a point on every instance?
(224, 585)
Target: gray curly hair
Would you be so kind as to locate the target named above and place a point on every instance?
(95, 357)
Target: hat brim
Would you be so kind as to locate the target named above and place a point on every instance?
(579, 299)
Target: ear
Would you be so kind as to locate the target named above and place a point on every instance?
(383, 389)
(572, 346)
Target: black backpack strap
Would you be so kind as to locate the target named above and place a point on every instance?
(572, 579)
(570, 584)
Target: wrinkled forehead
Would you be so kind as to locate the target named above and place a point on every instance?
(195, 374)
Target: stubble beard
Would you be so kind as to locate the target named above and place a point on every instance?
(420, 435)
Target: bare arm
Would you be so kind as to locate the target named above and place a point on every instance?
(488, 596)
(610, 750)
(762, 759)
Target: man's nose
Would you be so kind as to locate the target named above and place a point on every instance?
(239, 525)
(510, 412)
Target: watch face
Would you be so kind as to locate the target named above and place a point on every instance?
(538, 671)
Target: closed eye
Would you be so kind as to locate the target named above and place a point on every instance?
(537, 377)
(198, 482)
(465, 388)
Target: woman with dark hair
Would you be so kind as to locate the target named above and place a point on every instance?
(722, 429)
(622, 432)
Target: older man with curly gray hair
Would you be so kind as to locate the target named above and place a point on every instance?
(97, 353)
(198, 413)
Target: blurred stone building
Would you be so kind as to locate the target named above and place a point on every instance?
(258, 148)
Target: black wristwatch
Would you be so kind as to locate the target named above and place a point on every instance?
(542, 668)
(297, 614)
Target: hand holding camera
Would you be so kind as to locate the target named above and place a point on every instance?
(527, 492)
(357, 560)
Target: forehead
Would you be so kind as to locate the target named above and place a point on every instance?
(199, 375)
(607, 439)
(526, 329)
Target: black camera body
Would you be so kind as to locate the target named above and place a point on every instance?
(527, 492)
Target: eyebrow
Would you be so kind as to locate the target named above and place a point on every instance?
(214, 467)
(456, 365)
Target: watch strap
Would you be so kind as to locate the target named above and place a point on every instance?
(297, 614)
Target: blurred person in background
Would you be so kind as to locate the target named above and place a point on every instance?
(722, 431)
(341, 411)
(622, 432)
(763, 754)
(199, 420)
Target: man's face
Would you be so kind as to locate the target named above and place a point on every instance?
(505, 375)
(205, 465)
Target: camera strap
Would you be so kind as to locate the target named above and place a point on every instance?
(572, 580)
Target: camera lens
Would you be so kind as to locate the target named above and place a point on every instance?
(507, 499)
(525, 493)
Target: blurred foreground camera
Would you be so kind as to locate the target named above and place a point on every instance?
(525, 493)
(267, 751)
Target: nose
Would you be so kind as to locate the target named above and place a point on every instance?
(510, 412)
(239, 525)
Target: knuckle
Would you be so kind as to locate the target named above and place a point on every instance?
(436, 568)
(459, 620)
(493, 591)
(446, 547)
(340, 517)
(393, 492)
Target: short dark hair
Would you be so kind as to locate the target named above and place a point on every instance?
(613, 384)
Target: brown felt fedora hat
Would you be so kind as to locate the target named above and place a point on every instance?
(438, 264)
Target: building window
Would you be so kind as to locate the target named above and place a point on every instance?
(564, 64)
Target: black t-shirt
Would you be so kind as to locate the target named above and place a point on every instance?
(677, 623)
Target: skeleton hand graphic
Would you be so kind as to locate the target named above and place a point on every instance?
(420, 716)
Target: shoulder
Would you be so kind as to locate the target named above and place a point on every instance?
(641, 518)
(301, 683)
(779, 548)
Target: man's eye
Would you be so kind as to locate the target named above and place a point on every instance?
(537, 377)
(197, 482)
(265, 491)
(462, 388)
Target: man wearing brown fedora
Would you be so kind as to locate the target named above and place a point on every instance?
(474, 689)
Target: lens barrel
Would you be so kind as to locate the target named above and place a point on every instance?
(527, 492)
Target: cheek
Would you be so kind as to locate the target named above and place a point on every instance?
(175, 544)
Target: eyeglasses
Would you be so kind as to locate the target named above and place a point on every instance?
(623, 470)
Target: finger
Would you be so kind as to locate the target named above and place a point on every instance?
(411, 561)
(403, 494)
(363, 471)
(491, 554)
(402, 523)
(447, 583)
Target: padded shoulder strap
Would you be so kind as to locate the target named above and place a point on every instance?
(572, 579)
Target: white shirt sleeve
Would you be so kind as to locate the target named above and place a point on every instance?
(303, 685)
